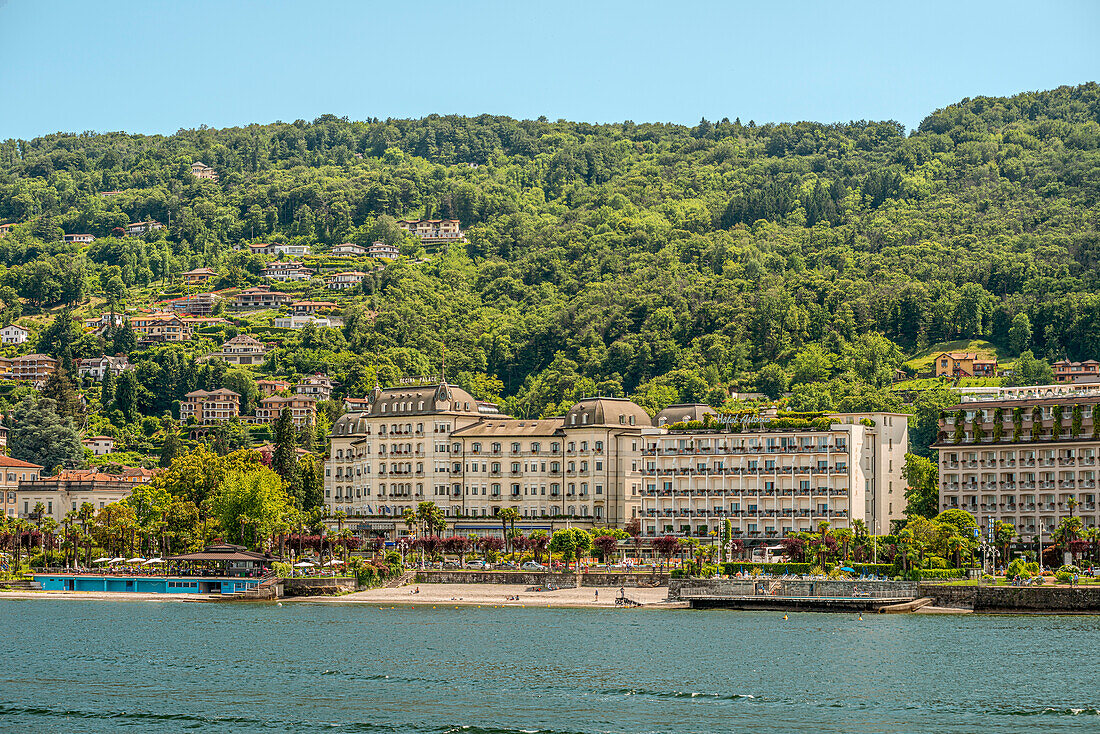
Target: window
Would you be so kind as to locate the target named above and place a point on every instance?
(534, 447)
(515, 448)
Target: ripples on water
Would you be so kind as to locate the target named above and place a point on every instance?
(159, 667)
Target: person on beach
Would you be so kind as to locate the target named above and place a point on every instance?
(597, 594)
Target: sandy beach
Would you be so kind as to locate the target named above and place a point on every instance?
(495, 595)
(499, 595)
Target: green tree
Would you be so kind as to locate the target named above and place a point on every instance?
(571, 544)
(285, 458)
(39, 435)
(771, 380)
(59, 388)
(249, 504)
(1031, 371)
(1019, 334)
(922, 491)
(310, 483)
(170, 449)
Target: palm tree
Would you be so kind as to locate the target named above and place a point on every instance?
(844, 537)
(507, 516)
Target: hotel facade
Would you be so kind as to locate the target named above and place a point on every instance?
(1024, 456)
(771, 482)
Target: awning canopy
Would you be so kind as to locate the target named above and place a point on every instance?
(224, 553)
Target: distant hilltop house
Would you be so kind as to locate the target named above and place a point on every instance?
(965, 364)
(201, 170)
(198, 304)
(5, 229)
(343, 281)
(270, 387)
(105, 320)
(34, 368)
(1066, 371)
(137, 228)
(259, 297)
(284, 271)
(308, 307)
(109, 194)
(348, 249)
(81, 239)
(303, 409)
(381, 249)
(14, 334)
(299, 321)
(262, 248)
(210, 406)
(99, 445)
(160, 327)
(198, 276)
(318, 387)
(242, 350)
(98, 367)
(433, 231)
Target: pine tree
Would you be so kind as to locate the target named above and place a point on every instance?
(123, 338)
(126, 392)
(284, 458)
(59, 388)
(107, 389)
(171, 448)
(310, 484)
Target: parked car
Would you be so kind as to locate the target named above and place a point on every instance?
(532, 566)
(508, 565)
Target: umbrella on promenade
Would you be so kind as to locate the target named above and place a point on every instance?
(115, 560)
(103, 559)
(334, 562)
(153, 561)
(304, 564)
(849, 569)
(137, 559)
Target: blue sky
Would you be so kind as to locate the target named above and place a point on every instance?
(156, 66)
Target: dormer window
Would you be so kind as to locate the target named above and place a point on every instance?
(622, 419)
(584, 418)
(573, 419)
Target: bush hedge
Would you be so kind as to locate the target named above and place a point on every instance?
(936, 574)
(730, 568)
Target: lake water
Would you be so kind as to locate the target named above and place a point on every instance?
(88, 666)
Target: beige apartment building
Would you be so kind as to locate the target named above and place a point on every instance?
(32, 368)
(770, 482)
(160, 327)
(210, 406)
(1025, 456)
(242, 350)
(303, 410)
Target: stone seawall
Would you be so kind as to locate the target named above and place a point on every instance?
(540, 578)
(1022, 599)
(678, 588)
(319, 587)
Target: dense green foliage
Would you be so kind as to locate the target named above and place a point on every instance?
(653, 260)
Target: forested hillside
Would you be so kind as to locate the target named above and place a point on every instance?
(658, 261)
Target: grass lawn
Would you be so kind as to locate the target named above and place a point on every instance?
(922, 361)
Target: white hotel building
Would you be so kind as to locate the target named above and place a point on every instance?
(770, 483)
